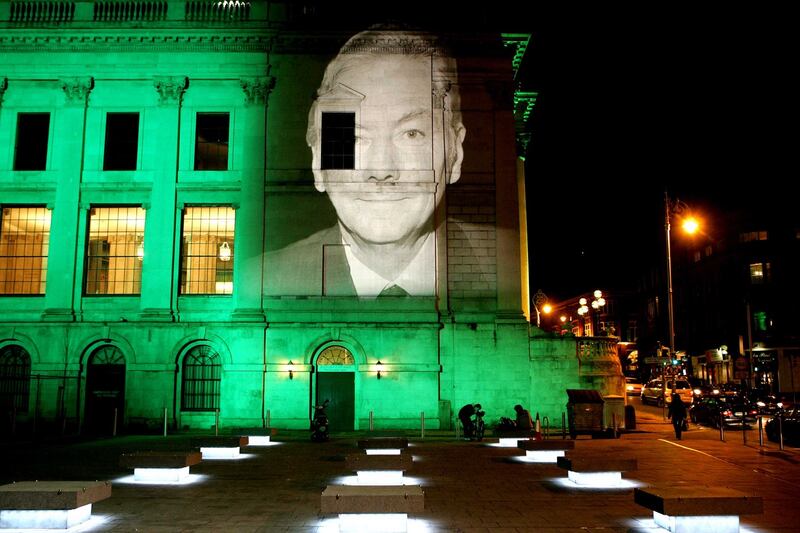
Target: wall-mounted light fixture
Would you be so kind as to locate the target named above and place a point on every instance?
(290, 368)
(379, 368)
(224, 251)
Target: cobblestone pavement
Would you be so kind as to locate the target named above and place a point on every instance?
(469, 486)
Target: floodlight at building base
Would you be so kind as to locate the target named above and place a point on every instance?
(380, 477)
(383, 451)
(595, 479)
(374, 523)
(220, 453)
(688, 524)
(258, 440)
(510, 442)
(45, 519)
(161, 474)
(543, 456)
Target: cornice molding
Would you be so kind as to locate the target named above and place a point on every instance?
(111, 42)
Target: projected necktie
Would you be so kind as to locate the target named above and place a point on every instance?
(393, 290)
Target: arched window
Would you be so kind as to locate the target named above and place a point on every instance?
(335, 355)
(200, 385)
(107, 355)
(15, 378)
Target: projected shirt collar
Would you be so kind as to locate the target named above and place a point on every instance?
(417, 279)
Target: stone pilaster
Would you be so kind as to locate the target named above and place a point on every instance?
(3, 87)
(249, 267)
(69, 123)
(158, 291)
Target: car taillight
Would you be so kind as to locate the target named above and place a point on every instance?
(753, 412)
(727, 412)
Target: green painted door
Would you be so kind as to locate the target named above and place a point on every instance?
(338, 387)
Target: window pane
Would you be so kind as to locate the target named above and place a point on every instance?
(24, 239)
(207, 254)
(211, 141)
(200, 384)
(33, 130)
(114, 250)
(122, 141)
(15, 379)
(338, 140)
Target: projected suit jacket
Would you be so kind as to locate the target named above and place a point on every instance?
(314, 266)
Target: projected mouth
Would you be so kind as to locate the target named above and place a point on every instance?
(377, 199)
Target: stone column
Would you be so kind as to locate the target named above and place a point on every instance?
(67, 145)
(506, 203)
(249, 250)
(439, 92)
(160, 241)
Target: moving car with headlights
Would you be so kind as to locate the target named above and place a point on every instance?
(716, 411)
(790, 425)
(654, 392)
(633, 387)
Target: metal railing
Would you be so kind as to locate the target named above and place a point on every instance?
(48, 11)
(205, 10)
(130, 10)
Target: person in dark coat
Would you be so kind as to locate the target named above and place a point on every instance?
(465, 415)
(524, 420)
(677, 412)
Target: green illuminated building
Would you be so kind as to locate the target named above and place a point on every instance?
(167, 242)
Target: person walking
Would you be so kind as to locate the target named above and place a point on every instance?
(677, 412)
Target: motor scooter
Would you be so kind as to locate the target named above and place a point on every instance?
(319, 424)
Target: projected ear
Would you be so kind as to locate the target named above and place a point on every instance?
(313, 140)
(457, 152)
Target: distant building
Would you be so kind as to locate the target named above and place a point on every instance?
(735, 294)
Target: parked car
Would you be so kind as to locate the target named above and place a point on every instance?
(633, 387)
(790, 425)
(654, 392)
(716, 411)
(703, 391)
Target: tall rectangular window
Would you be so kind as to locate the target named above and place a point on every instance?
(33, 132)
(338, 141)
(24, 243)
(114, 250)
(122, 141)
(207, 250)
(211, 141)
(759, 273)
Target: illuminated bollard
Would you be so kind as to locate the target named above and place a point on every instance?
(383, 445)
(49, 504)
(545, 451)
(156, 466)
(690, 509)
(379, 469)
(596, 471)
(372, 508)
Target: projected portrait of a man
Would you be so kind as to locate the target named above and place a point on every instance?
(386, 138)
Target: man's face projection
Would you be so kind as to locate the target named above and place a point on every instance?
(389, 197)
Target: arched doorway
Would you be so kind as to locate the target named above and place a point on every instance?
(336, 383)
(105, 391)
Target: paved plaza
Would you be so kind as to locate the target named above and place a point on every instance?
(468, 486)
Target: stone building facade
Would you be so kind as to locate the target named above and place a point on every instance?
(155, 173)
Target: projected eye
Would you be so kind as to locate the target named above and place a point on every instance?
(412, 137)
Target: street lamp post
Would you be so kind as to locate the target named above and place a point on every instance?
(689, 225)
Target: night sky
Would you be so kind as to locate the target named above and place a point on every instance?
(633, 102)
(633, 99)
